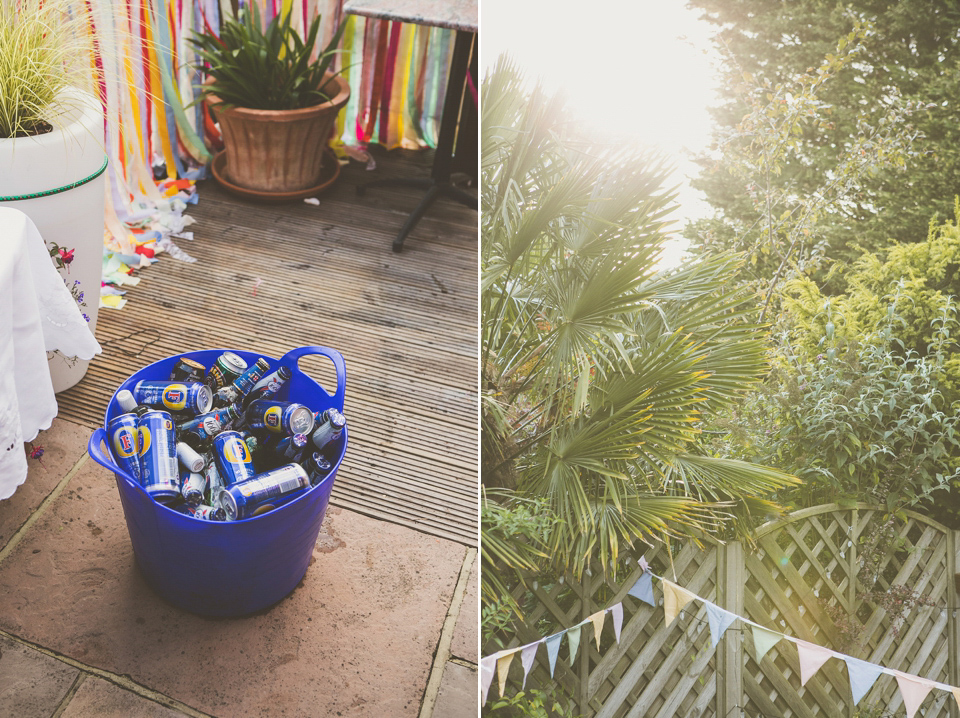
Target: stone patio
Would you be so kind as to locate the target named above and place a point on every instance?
(383, 623)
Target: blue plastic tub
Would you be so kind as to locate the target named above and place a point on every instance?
(226, 568)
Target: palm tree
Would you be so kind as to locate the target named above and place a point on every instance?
(597, 366)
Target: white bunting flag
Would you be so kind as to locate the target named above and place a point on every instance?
(719, 621)
(527, 654)
(617, 611)
(487, 667)
(812, 657)
(913, 690)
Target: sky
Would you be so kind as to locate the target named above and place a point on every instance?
(644, 67)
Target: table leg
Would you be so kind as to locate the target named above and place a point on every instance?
(439, 182)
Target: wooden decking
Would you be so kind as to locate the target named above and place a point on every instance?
(405, 323)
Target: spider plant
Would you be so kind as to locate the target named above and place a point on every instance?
(267, 69)
(43, 49)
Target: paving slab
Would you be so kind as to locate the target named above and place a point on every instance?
(466, 632)
(31, 683)
(355, 638)
(63, 445)
(459, 693)
(97, 698)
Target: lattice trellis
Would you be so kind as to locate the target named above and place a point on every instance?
(801, 567)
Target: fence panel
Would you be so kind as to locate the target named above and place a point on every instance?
(821, 575)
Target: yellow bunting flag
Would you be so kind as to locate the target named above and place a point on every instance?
(956, 694)
(674, 599)
(597, 619)
(503, 666)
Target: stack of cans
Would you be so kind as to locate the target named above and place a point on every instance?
(215, 444)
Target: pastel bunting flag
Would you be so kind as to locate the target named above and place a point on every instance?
(674, 599)
(487, 666)
(527, 655)
(597, 620)
(862, 676)
(643, 589)
(573, 636)
(617, 611)
(553, 648)
(719, 620)
(763, 641)
(913, 690)
(503, 667)
(643, 564)
(812, 657)
(956, 694)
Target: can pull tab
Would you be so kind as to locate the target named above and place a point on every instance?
(292, 359)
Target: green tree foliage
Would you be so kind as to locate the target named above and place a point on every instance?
(864, 420)
(893, 55)
(597, 367)
(919, 279)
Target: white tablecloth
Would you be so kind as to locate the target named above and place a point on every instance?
(37, 315)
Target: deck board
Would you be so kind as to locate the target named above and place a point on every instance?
(406, 325)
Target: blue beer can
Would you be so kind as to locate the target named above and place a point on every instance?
(317, 467)
(123, 441)
(241, 500)
(157, 446)
(233, 457)
(191, 397)
(279, 417)
(269, 385)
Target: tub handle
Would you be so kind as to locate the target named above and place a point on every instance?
(96, 447)
(291, 358)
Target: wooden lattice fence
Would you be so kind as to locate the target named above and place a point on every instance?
(801, 579)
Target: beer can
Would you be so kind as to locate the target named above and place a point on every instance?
(234, 461)
(214, 482)
(122, 431)
(202, 512)
(269, 385)
(193, 397)
(329, 430)
(225, 369)
(187, 370)
(193, 487)
(317, 467)
(189, 459)
(157, 446)
(206, 426)
(242, 499)
(279, 417)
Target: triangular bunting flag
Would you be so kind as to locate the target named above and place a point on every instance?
(503, 667)
(674, 599)
(862, 676)
(643, 589)
(643, 564)
(617, 611)
(553, 648)
(913, 690)
(763, 641)
(956, 694)
(573, 636)
(597, 619)
(487, 666)
(719, 620)
(527, 654)
(812, 657)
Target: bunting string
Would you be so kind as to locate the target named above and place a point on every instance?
(862, 674)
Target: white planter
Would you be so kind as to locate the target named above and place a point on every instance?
(73, 219)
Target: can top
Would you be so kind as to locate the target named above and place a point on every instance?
(337, 419)
(301, 419)
(193, 364)
(204, 399)
(233, 361)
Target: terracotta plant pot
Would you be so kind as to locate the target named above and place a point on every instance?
(278, 150)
